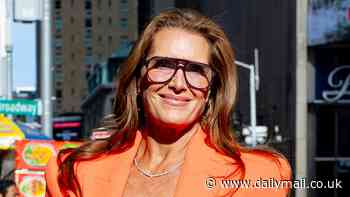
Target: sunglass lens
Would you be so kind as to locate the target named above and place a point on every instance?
(161, 70)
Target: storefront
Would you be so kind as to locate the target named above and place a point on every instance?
(329, 95)
(330, 109)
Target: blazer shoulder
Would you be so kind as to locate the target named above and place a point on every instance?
(270, 172)
(51, 176)
(267, 165)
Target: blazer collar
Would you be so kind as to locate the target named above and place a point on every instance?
(201, 162)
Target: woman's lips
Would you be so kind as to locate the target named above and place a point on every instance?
(175, 100)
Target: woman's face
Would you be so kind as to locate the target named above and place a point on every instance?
(174, 104)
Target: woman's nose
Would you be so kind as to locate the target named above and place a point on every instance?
(178, 82)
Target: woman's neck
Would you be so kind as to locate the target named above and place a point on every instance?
(155, 155)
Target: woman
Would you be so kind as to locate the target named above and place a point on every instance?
(171, 123)
(8, 188)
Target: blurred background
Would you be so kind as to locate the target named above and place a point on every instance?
(59, 59)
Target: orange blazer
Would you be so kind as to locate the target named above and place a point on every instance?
(107, 176)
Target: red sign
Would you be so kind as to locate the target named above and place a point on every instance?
(60, 125)
(35, 154)
(30, 183)
(348, 14)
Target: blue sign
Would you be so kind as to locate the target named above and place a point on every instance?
(333, 83)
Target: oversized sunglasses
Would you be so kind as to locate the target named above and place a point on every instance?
(163, 69)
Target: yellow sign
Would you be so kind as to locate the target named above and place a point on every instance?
(9, 133)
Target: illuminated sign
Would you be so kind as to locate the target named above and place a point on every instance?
(339, 81)
(66, 125)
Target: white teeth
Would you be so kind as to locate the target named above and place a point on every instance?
(174, 98)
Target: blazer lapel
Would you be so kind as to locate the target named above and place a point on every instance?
(201, 165)
(108, 177)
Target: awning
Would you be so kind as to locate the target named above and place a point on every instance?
(9, 133)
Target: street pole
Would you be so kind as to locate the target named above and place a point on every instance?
(252, 95)
(3, 54)
(8, 49)
(46, 74)
(252, 89)
(301, 126)
(256, 63)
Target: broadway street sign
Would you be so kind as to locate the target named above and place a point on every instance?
(19, 107)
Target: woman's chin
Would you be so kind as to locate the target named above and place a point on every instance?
(176, 121)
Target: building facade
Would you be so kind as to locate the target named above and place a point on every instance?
(86, 33)
(101, 86)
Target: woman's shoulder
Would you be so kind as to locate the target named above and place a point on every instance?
(266, 165)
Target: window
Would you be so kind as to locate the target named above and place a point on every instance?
(58, 4)
(88, 60)
(58, 102)
(110, 20)
(58, 52)
(58, 66)
(124, 22)
(124, 37)
(72, 73)
(87, 42)
(72, 38)
(124, 5)
(99, 38)
(88, 5)
(58, 24)
(71, 3)
(58, 60)
(72, 56)
(88, 33)
(109, 3)
(88, 51)
(71, 20)
(72, 91)
(88, 22)
(99, 20)
(58, 48)
(58, 36)
(110, 39)
(99, 57)
(332, 147)
(59, 93)
(59, 75)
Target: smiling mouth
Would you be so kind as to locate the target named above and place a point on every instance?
(174, 100)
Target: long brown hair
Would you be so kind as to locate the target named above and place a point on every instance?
(126, 119)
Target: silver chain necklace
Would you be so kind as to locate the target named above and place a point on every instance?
(151, 175)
